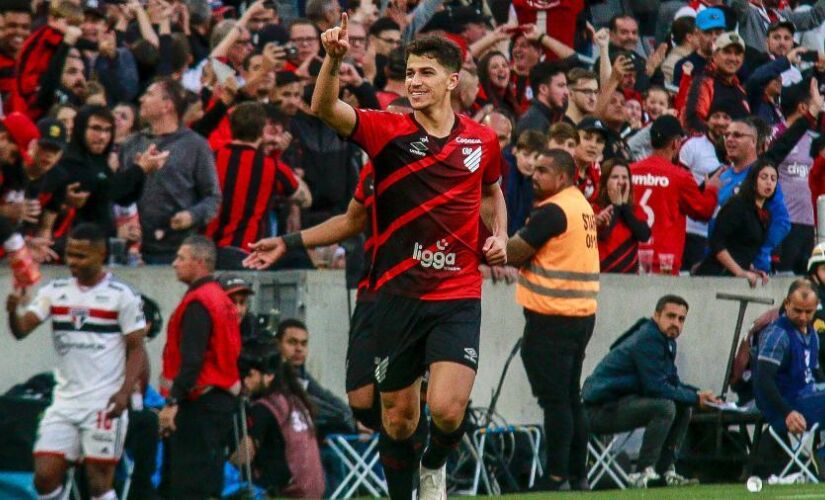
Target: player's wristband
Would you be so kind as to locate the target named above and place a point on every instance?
(293, 240)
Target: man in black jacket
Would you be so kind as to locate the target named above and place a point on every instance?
(637, 385)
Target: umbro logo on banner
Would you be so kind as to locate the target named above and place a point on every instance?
(472, 158)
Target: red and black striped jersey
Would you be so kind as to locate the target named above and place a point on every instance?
(32, 62)
(250, 181)
(7, 72)
(365, 195)
(427, 203)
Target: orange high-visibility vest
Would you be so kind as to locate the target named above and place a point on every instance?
(562, 278)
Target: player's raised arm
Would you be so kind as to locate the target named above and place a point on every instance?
(325, 102)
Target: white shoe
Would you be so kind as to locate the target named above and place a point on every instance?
(433, 484)
(640, 479)
(672, 478)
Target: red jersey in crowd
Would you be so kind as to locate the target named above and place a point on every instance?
(428, 200)
(557, 18)
(816, 181)
(249, 182)
(588, 183)
(33, 61)
(667, 194)
(619, 241)
(365, 195)
(7, 81)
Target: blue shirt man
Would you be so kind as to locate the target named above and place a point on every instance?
(786, 369)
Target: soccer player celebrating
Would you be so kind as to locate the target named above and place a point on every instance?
(435, 176)
(98, 327)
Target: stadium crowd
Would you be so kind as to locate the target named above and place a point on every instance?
(694, 130)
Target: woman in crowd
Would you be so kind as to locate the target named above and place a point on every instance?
(283, 444)
(741, 227)
(621, 224)
(495, 85)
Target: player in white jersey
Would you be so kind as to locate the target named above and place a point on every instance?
(98, 327)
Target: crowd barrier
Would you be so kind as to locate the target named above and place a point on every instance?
(320, 297)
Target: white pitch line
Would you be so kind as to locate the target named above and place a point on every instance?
(803, 495)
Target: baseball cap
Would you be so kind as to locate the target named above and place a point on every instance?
(592, 124)
(684, 12)
(782, 24)
(733, 108)
(727, 39)
(711, 18)
(95, 8)
(465, 15)
(52, 133)
(232, 283)
(664, 128)
(285, 78)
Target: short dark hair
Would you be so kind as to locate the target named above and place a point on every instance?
(681, 28)
(174, 92)
(289, 323)
(247, 121)
(302, 20)
(670, 299)
(562, 160)
(562, 131)
(89, 231)
(613, 23)
(202, 248)
(576, 74)
(531, 140)
(16, 6)
(383, 24)
(442, 50)
(542, 73)
(275, 115)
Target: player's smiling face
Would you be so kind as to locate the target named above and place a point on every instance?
(428, 82)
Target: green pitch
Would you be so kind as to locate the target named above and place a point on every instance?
(721, 492)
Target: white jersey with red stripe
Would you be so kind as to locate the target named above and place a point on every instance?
(88, 329)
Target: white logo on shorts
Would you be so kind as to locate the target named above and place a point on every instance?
(470, 355)
(381, 369)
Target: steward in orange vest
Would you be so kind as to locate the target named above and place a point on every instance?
(558, 252)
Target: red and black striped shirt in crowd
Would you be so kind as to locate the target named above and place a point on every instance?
(250, 182)
(7, 82)
(427, 202)
(365, 195)
(619, 241)
(33, 60)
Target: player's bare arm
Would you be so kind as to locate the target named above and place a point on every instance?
(336, 229)
(494, 216)
(325, 102)
(135, 365)
(302, 196)
(519, 251)
(20, 326)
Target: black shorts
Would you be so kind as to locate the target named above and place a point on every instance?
(410, 334)
(361, 352)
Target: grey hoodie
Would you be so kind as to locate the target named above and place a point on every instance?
(188, 181)
(753, 23)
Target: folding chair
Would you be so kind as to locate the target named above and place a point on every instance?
(603, 450)
(800, 450)
(359, 454)
(479, 440)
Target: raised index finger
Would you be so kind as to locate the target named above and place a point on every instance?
(344, 23)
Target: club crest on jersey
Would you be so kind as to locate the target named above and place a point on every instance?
(472, 158)
(78, 316)
(420, 146)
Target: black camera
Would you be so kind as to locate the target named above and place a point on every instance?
(291, 51)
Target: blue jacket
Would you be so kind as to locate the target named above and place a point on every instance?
(641, 362)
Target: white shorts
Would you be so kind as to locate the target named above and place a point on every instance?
(76, 434)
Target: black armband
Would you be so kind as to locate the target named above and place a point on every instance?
(293, 240)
